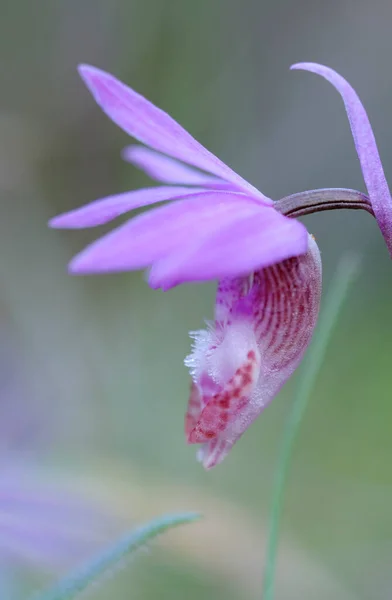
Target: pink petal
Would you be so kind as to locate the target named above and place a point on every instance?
(251, 242)
(365, 145)
(156, 233)
(106, 209)
(153, 127)
(168, 170)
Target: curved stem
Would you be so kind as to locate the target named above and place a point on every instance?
(306, 203)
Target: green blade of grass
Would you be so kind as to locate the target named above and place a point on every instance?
(344, 277)
(102, 564)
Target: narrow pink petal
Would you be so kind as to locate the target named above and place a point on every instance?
(249, 243)
(153, 127)
(365, 145)
(106, 209)
(169, 170)
(156, 233)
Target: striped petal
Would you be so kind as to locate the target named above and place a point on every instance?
(168, 170)
(106, 209)
(365, 145)
(153, 127)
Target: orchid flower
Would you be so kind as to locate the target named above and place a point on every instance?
(366, 147)
(217, 227)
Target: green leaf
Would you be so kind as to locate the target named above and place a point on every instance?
(77, 582)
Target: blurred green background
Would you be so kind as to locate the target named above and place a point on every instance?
(93, 387)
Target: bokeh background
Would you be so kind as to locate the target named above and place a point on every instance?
(92, 384)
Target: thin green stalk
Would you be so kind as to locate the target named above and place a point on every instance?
(344, 277)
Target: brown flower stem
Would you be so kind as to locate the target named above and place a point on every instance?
(306, 203)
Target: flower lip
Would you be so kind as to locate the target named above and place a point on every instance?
(262, 328)
(366, 147)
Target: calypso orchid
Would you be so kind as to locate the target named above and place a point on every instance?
(217, 227)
